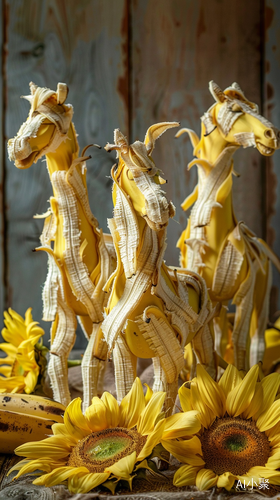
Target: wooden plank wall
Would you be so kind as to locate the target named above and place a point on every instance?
(77, 43)
(272, 110)
(2, 164)
(128, 64)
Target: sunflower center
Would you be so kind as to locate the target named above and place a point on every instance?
(234, 445)
(108, 447)
(102, 449)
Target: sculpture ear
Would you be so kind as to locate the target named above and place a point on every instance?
(61, 93)
(237, 87)
(155, 131)
(33, 88)
(217, 92)
(119, 138)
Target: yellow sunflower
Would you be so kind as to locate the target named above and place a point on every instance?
(109, 443)
(240, 434)
(19, 371)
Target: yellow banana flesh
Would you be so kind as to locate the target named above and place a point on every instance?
(31, 404)
(19, 428)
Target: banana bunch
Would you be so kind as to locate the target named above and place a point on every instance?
(26, 417)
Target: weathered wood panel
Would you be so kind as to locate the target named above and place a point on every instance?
(2, 156)
(272, 108)
(177, 47)
(83, 44)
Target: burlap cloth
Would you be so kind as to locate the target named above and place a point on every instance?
(151, 488)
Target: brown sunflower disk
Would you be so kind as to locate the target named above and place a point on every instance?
(234, 445)
(103, 449)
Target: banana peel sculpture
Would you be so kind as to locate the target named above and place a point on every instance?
(226, 253)
(153, 311)
(79, 263)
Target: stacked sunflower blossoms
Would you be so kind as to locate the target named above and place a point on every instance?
(108, 443)
(25, 360)
(240, 434)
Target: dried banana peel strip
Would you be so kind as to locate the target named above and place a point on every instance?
(160, 337)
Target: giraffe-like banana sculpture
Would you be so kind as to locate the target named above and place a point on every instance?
(233, 261)
(153, 311)
(79, 263)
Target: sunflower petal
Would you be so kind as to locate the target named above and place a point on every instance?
(211, 393)
(205, 415)
(270, 417)
(226, 480)
(185, 476)
(274, 461)
(5, 371)
(132, 405)
(57, 476)
(230, 379)
(181, 424)
(148, 394)
(185, 398)
(53, 447)
(124, 467)
(153, 439)
(185, 451)
(12, 383)
(31, 380)
(86, 481)
(9, 349)
(96, 415)
(270, 385)
(75, 422)
(274, 439)
(241, 396)
(255, 404)
(59, 429)
(257, 473)
(32, 465)
(206, 479)
(27, 317)
(146, 420)
(112, 409)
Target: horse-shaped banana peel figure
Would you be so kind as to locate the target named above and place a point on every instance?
(153, 311)
(79, 263)
(226, 253)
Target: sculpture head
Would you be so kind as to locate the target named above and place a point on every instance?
(45, 128)
(139, 178)
(238, 120)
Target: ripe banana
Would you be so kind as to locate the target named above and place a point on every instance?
(19, 428)
(32, 405)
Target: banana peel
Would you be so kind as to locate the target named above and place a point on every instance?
(79, 263)
(233, 261)
(152, 309)
(26, 418)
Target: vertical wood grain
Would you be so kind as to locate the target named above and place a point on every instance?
(85, 45)
(2, 156)
(177, 48)
(272, 107)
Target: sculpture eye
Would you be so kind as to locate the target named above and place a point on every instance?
(236, 108)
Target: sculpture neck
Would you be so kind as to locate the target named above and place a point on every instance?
(211, 146)
(63, 156)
